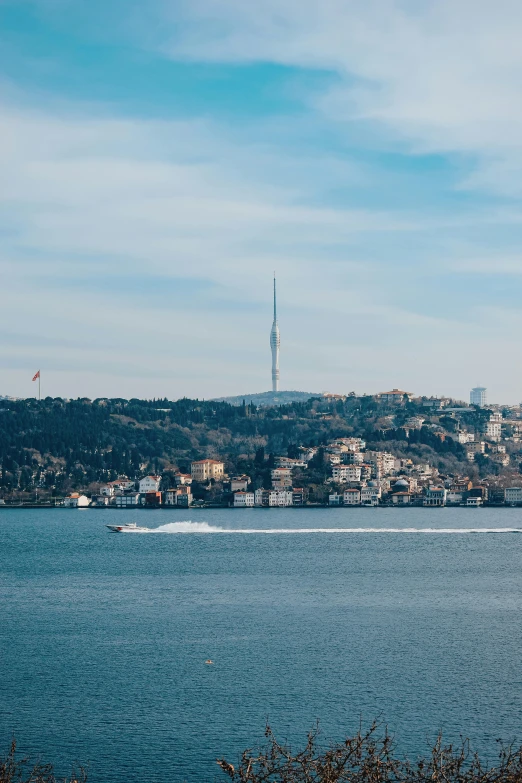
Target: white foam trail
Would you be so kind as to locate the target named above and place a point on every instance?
(204, 527)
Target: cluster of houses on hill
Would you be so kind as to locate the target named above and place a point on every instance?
(358, 477)
(364, 477)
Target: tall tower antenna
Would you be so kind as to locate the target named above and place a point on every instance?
(275, 342)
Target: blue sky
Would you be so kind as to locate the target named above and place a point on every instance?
(159, 160)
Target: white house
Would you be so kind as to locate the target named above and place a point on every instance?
(352, 497)
(285, 497)
(335, 499)
(243, 500)
(150, 484)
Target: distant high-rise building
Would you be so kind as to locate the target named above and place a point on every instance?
(275, 341)
(478, 396)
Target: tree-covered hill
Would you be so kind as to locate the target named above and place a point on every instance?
(60, 444)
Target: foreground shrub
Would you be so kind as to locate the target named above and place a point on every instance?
(13, 770)
(370, 757)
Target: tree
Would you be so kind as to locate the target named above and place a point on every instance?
(293, 451)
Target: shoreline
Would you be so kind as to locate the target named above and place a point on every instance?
(26, 506)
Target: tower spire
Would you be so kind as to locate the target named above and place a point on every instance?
(275, 342)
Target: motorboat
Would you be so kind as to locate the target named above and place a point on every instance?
(131, 527)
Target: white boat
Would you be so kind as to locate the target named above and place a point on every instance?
(130, 528)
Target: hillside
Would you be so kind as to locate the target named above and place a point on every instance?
(269, 398)
(55, 445)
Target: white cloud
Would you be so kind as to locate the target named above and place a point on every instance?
(443, 75)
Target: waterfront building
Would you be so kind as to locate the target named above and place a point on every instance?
(513, 495)
(402, 498)
(151, 499)
(434, 496)
(275, 341)
(265, 497)
(181, 496)
(352, 497)
(454, 498)
(75, 500)
(129, 500)
(285, 497)
(100, 500)
(184, 499)
(205, 469)
(298, 496)
(370, 496)
(478, 396)
(244, 500)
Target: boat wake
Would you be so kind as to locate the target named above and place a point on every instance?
(204, 527)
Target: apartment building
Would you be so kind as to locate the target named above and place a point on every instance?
(281, 478)
(342, 473)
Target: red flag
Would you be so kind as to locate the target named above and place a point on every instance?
(36, 376)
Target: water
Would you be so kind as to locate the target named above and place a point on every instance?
(103, 637)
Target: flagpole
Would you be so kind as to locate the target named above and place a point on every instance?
(39, 377)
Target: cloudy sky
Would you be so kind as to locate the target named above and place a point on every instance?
(159, 159)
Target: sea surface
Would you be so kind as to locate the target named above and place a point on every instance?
(413, 616)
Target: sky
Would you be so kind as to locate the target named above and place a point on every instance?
(159, 160)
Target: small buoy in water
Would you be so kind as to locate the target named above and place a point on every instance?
(209, 661)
